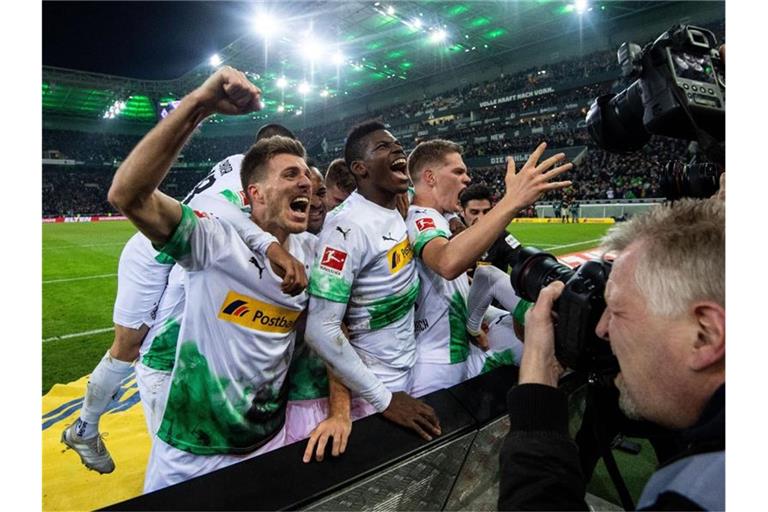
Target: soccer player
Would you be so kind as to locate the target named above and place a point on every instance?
(364, 272)
(439, 175)
(226, 401)
(317, 208)
(143, 274)
(475, 204)
(339, 183)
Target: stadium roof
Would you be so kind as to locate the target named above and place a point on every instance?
(328, 52)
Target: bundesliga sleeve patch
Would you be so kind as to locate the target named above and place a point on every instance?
(425, 223)
(333, 259)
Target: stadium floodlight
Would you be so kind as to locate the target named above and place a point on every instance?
(391, 10)
(416, 22)
(312, 49)
(324, 93)
(215, 60)
(581, 6)
(281, 108)
(338, 58)
(438, 36)
(304, 88)
(265, 25)
(299, 112)
(282, 82)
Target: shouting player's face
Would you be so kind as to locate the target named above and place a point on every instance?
(449, 178)
(386, 162)
(286, 193)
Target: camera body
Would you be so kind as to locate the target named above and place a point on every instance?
(576, 312)
(678, 91)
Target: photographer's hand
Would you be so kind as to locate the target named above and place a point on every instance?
(539, 365)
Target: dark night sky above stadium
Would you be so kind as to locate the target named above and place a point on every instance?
(151, 40)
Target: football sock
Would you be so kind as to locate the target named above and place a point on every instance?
(102, 387)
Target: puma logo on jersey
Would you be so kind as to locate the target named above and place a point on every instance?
(343, 233)
(333, 259)
(389, 237)
(399, 256)
(258, 266)
(425, 223)
(255, 314)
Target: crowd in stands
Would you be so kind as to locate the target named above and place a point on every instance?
(600, 175)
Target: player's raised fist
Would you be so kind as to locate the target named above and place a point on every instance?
(228, 91)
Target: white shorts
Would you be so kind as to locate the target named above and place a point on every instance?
(141, 280)
(168, 465)
(504, 348)
(153, 390)
(302, 416)
(429, 377)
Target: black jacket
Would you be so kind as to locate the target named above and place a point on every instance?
(540, 467)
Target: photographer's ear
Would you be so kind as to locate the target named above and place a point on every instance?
(709, 347)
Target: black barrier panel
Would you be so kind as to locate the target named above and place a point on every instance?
(385, 467)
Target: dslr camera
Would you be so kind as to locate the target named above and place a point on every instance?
(577, 311)
(677, 90)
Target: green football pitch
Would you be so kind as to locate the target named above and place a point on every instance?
(80, 282)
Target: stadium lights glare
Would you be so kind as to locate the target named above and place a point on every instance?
(265, 25)
(438, 36)
(299, 112)
(581, 6)
(338, 58)
(304, 88)
(416, 22)
(311, 49)
(215, 60)
(114, 110)
(324, 93)
(391, 10)
(280, 108)
(282, 82)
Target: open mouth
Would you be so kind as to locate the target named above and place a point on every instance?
(299, 204)
(400, 166)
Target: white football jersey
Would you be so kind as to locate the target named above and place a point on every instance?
(363, 259)
(441, 309)
(227, 392)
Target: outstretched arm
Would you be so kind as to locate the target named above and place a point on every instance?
(451, 258)
(134, 188)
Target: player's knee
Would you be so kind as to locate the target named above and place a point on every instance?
(127, 342)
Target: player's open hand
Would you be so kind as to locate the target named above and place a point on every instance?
(289, 268)
(228, 91)
(407, 411)
(534, 179)
(336, 427)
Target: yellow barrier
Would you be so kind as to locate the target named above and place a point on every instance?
(553, 220)
(67, 484)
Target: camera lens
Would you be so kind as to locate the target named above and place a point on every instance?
(615, 122)
(694, 180)
(534, 270)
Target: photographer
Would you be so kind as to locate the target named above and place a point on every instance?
(665, 322)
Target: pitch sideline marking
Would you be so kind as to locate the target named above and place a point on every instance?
(551, 247)
(78, 334)
(68, 279)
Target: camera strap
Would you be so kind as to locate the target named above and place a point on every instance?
(601, 435)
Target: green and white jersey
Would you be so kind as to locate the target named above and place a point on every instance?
(222, 181)
(227, 392)
(364, 259)
(158, 350)
(441, 309)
